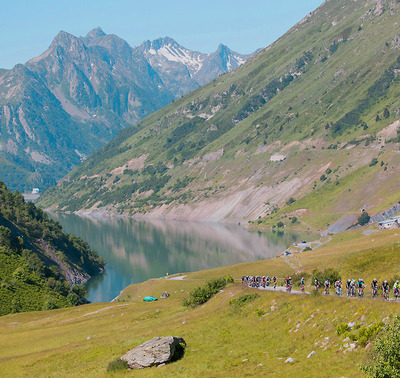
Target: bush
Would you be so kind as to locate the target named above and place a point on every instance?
(307, 249)
(229, 279)
(290, 201)
(280, 224)
(117, 365)
(202, 294)
(384, 358)
(374, 161)
(328, 274)
(243, 299)
(363, 219)
(294, 219)
(342, 329)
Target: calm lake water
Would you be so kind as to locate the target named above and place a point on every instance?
(138, 250)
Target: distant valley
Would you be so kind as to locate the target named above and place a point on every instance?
(59, 107)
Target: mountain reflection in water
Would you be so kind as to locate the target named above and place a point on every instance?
(138, 250)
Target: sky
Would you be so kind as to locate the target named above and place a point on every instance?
(27, 27)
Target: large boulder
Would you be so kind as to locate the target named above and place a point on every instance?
(164, 295)
(156, 351)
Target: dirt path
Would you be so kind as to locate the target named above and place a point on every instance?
(96, 312)
(367, 296)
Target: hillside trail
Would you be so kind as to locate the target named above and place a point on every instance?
(283, 289)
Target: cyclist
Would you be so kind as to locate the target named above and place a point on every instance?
(360, 286)
(326, 285)
(353, 287)
(396, 289)
(289, 284)
(268, 280)
(385, 289)
(374, 287)
(338, 287)
(274, 279)
(316, 284)
(302, 282)
(348, 287)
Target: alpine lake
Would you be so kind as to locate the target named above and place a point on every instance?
(137, 250)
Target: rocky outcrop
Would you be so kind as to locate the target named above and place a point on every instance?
(157, 351)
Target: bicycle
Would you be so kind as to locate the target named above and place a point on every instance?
(385, 294)
(374, 292)
(361, 292)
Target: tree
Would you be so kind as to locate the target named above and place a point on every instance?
(363, 219)
(384, 359)
(386, 113)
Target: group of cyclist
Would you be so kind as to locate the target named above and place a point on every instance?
(259, 281)
(356, 288)
(353, 288)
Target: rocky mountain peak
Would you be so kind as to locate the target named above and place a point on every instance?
(96, 33)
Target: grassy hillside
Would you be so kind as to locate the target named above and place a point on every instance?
(40, 265)
(325, 95)
(253, 339)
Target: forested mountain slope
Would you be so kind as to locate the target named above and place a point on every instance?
(40, 266)
(307, 128)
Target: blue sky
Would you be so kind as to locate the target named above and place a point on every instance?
(27, 27)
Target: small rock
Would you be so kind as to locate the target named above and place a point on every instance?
(351, 324)
(346, 340)
(368, 346)
(312, 354)
(161, 365)
(259, 365)
(88, 338)
(290, 360)
(346, 345)
(245, 360)
(363, 318)
(353, 346)
(273, 308)
(184, 322)
(164, 295)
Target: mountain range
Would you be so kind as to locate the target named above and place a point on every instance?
(59, 107)
(305, 130)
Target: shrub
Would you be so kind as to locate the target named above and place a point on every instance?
(384, 359)
(229, 279)
(117, 365)
(202, 294)
(328, 274)
(280, 224)
(363, 219)
(294, 219)
(342, 329)
(307, 249)
(243, 299)
(290, 201)
(374, 161)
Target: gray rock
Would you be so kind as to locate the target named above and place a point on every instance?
(351, 324)
(164, 295)
(290, 359)
(156, 351)
(311, 354)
